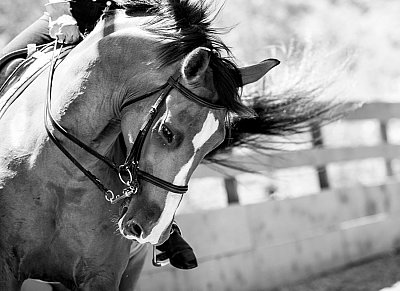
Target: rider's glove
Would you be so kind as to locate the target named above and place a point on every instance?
(62, 25)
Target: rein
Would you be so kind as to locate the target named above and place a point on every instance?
(129, 172)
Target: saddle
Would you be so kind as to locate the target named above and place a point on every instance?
(14, 64)
(18, 69)
(10, 62)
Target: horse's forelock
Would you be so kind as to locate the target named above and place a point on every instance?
(186, 25)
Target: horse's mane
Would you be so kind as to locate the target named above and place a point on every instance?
(292, 109)
(187, 25)
(298, 99)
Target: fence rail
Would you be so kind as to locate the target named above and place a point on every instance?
(311, 157)
(319, 156)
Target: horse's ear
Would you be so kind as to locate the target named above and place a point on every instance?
(253, 73)
(195, 64)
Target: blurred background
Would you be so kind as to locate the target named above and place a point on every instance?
(352, 49)
(366, 30)
(351, 45)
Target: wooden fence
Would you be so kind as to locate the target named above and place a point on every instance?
(260, 246)
(318, 156)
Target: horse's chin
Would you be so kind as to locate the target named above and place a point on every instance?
(141, 240)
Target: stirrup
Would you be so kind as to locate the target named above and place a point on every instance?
(158, 258)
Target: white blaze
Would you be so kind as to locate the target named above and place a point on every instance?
(210, 126)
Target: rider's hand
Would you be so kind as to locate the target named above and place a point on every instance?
(62, 25)
(65, 29)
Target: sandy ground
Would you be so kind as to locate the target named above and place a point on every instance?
(381, 273)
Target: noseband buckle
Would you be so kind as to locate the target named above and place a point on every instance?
(131, 170)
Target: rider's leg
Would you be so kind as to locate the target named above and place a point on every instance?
(37, 33)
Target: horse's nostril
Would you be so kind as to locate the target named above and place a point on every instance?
(135, 228)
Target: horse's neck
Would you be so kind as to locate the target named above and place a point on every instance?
(115, 61)
(85, 104)
(85, 100)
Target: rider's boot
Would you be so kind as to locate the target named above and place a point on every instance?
(177, 250)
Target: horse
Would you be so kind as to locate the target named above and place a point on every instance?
(93, 169)
(132, 109)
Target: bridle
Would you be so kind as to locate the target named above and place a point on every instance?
(128, 172)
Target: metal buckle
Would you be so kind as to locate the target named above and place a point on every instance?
(126, 193)
(131, 182)
(109, 196)
(124, 168)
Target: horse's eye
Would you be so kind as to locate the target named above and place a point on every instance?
(169, 136)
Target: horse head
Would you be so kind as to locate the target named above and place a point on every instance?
(191, 124)
(170, 91)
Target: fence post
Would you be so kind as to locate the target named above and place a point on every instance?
(384, 137)
(318, 142)
(231, 190)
